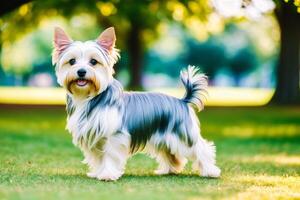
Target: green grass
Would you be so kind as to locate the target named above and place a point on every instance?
(258, 150)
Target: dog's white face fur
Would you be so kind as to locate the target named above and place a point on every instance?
(85, 69)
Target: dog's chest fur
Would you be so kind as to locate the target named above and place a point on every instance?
(89, 127)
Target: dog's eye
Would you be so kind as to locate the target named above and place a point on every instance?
(72, 61)
(93, 62)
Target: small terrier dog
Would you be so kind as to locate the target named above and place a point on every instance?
(109, 125)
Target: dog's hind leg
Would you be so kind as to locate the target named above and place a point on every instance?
(169, 163)
(203, 156)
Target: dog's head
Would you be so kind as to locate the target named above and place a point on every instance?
(85, 69)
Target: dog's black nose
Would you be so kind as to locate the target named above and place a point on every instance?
(81, 72)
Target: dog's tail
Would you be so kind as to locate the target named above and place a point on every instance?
(195, 85)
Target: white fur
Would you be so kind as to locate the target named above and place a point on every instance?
(108, 161)
(83, 52)
(105, 149)
(107, 119)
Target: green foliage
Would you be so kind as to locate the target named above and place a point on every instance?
(234, 50)
(144, 16)
(243, 61)
(22, 57)
(86, 18)
(124, 15)
(296, 3)
(209, 55)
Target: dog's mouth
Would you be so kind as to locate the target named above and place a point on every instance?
(81, 85)
(81, 82)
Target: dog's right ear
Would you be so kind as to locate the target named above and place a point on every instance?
(61, 42)
(107, 39)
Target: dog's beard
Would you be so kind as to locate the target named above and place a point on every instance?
(82, 87)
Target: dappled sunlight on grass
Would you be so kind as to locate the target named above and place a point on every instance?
(228, 96)
(277, 159)
(267, 187)
(30, 95)
(261, 130)
(218, 96)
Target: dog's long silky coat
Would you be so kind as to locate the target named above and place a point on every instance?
(109, 125)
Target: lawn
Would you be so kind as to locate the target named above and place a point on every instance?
(258, 150)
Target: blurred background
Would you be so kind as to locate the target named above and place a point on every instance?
(249, 49)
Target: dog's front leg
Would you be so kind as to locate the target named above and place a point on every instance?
(92, 157)
(113, 161)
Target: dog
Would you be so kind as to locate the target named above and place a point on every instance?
(109, 125)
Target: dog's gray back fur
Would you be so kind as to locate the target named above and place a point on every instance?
(148, 113)
(145, 114)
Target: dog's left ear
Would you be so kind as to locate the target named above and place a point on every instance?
(107, 39)
(61, 42)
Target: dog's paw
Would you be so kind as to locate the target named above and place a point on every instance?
(92, 175)
(211, 171)
(108, 176)
(161, 172)
(84, 161)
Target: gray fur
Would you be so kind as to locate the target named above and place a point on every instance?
(70, 107)
(148, 113)
(195, 85)
(145, 113)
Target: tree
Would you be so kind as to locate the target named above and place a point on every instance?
(136, 21)
(209, 55)
(141, 19)
(288, 69)
(288, 16)
(243, 61)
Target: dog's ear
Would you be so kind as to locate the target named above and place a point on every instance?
(107, 39)
(61, 42)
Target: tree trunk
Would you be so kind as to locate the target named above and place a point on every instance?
(287, 89)
(135, 53)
